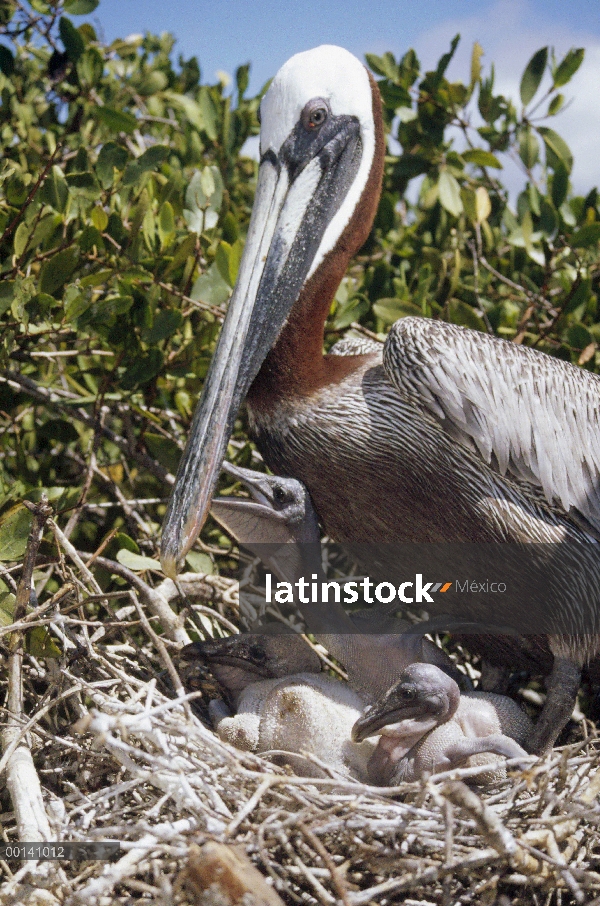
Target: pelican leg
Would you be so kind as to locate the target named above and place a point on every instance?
(562, 688)
(496, 744)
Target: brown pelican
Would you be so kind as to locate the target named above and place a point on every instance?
(463, 436)
(276, 712)
(279, 523)
(426, 725)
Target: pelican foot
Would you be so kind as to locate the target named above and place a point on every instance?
(562, 689)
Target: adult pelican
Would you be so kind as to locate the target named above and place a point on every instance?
(451, 435)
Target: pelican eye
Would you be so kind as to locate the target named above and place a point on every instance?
(314, 114)
(407, 692)
(279, 494)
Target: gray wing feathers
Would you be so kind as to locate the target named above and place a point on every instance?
(355, 346)
(528, 415)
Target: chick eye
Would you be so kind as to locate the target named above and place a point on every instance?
(279, 494)
(314, 114)
(257, 653)
(408, 692)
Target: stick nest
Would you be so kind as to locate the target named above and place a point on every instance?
(124, 753)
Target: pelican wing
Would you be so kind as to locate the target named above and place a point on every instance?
(527, 414)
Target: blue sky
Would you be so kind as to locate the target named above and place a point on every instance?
(224, 34)
(266, 32)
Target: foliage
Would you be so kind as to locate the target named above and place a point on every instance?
(124, 201)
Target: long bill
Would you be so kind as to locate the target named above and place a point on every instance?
(289, 218)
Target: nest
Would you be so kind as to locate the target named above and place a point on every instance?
(120, 751)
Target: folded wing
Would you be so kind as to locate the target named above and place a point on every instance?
(527, 414)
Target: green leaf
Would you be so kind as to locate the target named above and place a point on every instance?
(461, 313)
(14, 532)
(137, 562)
(377, 64)
(228, 259)
(210, 287)
(529, 148)
(163, 449)
(116, 120)
(84, 184)
(242, 78)
(585, 237)
(567, 68)
(557, 149)
(190, 108)
(446, 58)
(99, 219)
(112, 157)
(476, 55)
(80, 7)
(391, 310)
(55, 191)
(75, 303)
(580, 295)
(7, 61)
(203, 199)
(556, 104)
(209, 114)
(534, 71)
(39, 643)
(548, 223)
(7, 608)
(166, 221)
(143, 370)
(22, 238)
(149, 160)
(560, 185)
(128, 543)
(90, 67)
(165, 324)
(57, 270)
(449, 193)
(72, 40)
(481, 158)
(200, 563)
(7, 294)
(578, 336)
(483, 205)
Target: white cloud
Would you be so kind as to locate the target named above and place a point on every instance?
(510, 31)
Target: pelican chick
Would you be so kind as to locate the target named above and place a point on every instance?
(427, 726)
(304, 712)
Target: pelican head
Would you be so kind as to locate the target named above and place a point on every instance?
(320, 127)
(240, 660)
(423, 698)
(279, 510)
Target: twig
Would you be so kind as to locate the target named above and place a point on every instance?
(33, 192)
(366, 332)
(153, 599)
(336, 876)
(162, 651)
(22, 780)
